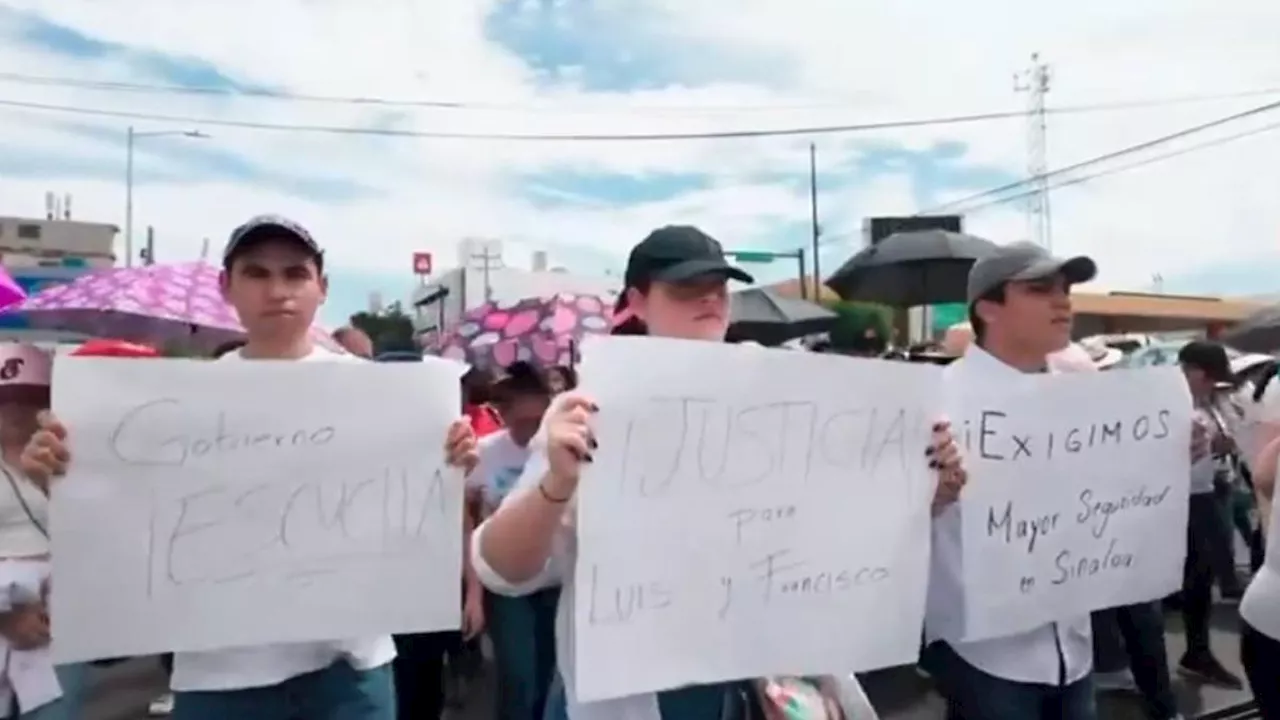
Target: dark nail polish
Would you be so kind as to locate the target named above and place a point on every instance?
(939, 427)
(593, 444)
(929, 451)
(587, 458)
(934, 464)
(595, 407)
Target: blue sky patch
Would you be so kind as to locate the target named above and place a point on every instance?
(32, 30)
(549, 189)
(620, 46)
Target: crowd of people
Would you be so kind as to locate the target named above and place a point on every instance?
(524, 437)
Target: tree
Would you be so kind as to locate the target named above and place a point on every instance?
(390, 329)
(861, 327)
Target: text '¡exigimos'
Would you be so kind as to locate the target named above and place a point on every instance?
(994, 437)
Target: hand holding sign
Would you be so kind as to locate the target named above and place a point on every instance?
(944, 456)
(570, 443)
(460, 446)
(46, 455)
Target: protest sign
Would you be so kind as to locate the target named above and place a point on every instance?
(1077, 494)
(223, 504)
(749, 512)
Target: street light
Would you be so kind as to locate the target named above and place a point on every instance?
(131, 137)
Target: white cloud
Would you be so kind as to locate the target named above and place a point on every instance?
(848, 62)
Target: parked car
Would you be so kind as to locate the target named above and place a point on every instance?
(1163, 352)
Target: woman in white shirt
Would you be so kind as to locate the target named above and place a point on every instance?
(24, 551)
(675, 286)
(522, 629)
(1260, 607)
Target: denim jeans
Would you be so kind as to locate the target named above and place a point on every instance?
(338, 692)
(72, 679)
(1207, 556)
(523, 632)
(1132, 637)
(972, 694)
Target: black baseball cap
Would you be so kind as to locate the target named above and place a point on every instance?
(1025, 261)
(677, 253)
(1209, 358)
(270, 227)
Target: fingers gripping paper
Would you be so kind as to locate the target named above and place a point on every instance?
(1077, 495)
(749, 513)
(214, 505)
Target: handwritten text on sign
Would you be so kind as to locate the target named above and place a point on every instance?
(749, 512)
(223, 504)
(1077, 494)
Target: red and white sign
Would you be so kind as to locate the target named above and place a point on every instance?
(422, 263)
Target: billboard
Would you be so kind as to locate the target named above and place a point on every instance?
(878, 228)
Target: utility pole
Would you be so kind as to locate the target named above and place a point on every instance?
(131, 138)
(488, 260)
(1035, 82)
(149, 251)
(128, 197)
(813, 224)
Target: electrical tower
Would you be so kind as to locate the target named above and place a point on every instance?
(1035, 82)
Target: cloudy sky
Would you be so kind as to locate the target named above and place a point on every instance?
(331, 111)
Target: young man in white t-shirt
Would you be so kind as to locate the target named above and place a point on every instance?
(273, 275)
(1020, 312)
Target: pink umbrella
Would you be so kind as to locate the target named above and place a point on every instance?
(10, 291)
(542, 330)
(150, 304)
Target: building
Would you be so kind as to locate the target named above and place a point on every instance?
(482, 275)
(56, 237)
(39, 252)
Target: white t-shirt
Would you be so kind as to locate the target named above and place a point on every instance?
(1260, 606)
(1204, 469)
(266, 665)
(501, 463)
(24, 515)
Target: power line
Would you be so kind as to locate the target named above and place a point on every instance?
(1133, 165)
(285, 96)
(451, 135)
(1115, 154)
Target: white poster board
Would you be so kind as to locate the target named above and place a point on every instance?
(1077, 495)
(749, 512)
(223, 504)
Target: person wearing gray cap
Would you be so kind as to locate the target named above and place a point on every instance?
(1020, 311)
(273, 276)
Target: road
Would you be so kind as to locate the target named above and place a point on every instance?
(122, 692)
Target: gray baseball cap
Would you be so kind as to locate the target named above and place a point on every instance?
(263, 227)
(1025, 261)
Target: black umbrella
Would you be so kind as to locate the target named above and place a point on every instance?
(926, 267)
(768, 318)
(1259, 332)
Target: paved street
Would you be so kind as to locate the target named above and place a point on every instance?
(122, 692)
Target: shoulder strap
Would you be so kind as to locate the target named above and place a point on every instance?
(17, 492)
